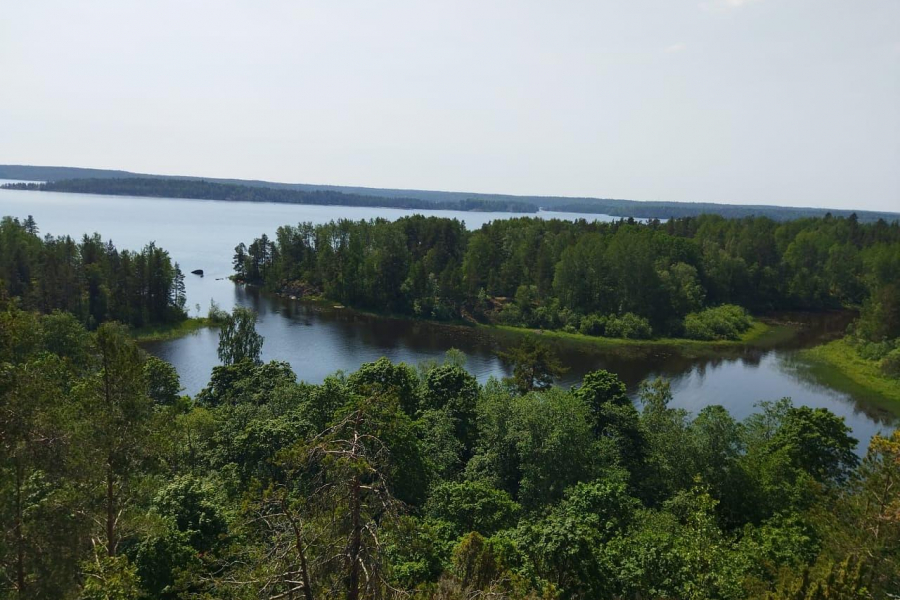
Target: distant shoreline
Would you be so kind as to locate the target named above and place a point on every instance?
(125, 183)
(180, 189)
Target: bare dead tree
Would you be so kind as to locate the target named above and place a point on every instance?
(351, 463)
(317, 534)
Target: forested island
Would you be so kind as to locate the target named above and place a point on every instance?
(405, 198)
(696, 278)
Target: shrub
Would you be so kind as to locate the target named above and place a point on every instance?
(726, 322)
(568, 317)
(875, 350)
(593, 325)
(511, 315)
(890, 364)
(545, 317)
(216, 315)
(628, 326)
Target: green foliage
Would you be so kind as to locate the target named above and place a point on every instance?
(679, 552)
(472, 506)
(784, 541)
(438, 435)
(451, 389)
(479, 567)
(533, 446)
(818, 442)
(189, 503)
(592, 325)
(245, 382)
(110, 578)
(534, 365)
(726, 322)
(628, 326)
(389, 481)
(215, 314)
(162, 379)
(238, 339)
(565, 548)
(92, 280)
(419, 552)
(599, 388)
(890, 364)
(826, 580)
(160, 560)
(384, 379)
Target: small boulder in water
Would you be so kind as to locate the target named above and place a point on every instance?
(197, 272)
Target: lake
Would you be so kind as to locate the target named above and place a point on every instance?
(319, 340)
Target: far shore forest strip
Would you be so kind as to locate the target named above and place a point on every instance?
(122, 183)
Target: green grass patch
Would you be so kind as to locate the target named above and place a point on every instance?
(759, 334)
(170, 331)
(838, 365)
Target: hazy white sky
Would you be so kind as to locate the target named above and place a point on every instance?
(793, 102)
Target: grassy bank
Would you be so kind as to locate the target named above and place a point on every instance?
(762, 333)
(838, 365)
(170, 331)
(759, 334)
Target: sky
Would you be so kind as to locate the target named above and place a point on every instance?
(790, 102)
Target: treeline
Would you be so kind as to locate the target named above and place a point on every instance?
(623, 279)
(393, 482)
(205, 190)
(90, 279)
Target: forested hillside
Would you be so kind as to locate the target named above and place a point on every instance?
(392, 482)
(90, 279)
(621, 279)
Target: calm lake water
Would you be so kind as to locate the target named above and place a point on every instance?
(319, 340)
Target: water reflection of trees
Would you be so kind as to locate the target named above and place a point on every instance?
(363, 335)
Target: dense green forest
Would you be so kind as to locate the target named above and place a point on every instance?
(206, 190)
(480, 201)
(689, 277)
(394, 482)
(90, 279)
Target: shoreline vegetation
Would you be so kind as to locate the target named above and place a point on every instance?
(761, 331)
(764, 331)
(839, 365)
(171, 331)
